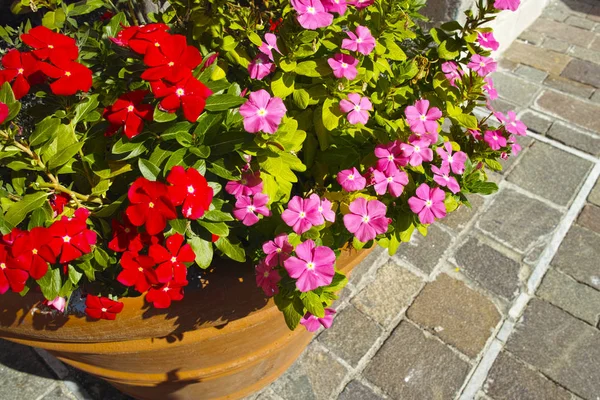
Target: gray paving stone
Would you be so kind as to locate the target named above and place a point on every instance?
(411, 365)
(594, 196)
(96, 388)
(555, 13)
(572, 109)
(511, 379)
(518, 90)
(519, 220)
(583, 71)
(373, 261)
(265, 396)
(22, 374)
(525, 142)
(351, 335)
(543, 59)
(585, 54)
(357, 391)
(569, 86)
(504, 106)
(314, 376)
(559, 30)
(531, 74)
(555, 45)
(596, 97)
(595, 46)
(560, 346)
(459, 219)
(578, 256)
(590, 218)
(425, 252)
(534, 38)
(536, 122)
(551, 173)
(575, 138)
(580, 22)
(390, 292)
(575, 298)
(59, 393)
(488, 267)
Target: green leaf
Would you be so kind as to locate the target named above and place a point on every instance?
(217, 215)
(18, 211)
(287, 66)
(313, 69)
(493, 164)
(63, 156)
(254, 38)
(50, 283)
(44, 131)
(235, 251)
(179, 225)
(338, 282)
(205, 123)
(483, 188)
(74, 275)
(282, 84)
(301, 98)
(222, 102)
(8, 97)
(54, 19)
(449, 49)
(289, 307)
(85, 7)
(203, 250)
(313, 304)
(83, 109)
(39, 216)
(163, 116)
(331, 114)
(148, 170)
(216, 228)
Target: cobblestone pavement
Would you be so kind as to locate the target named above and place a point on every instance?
(498, 302)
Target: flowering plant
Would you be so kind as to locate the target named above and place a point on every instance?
(279, 132)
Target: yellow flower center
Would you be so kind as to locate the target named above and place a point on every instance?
(262, 112)
(173, 259)
(50, 46)
(34, 251)
(344, 65)
(20, 71)
(2, 266)
(190, 189)
(130, 108)
(67, 73)
(151, 205)
(104, 309)
(66, 239)
(310, 265)
(180, 92)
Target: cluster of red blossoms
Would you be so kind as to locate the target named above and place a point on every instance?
(28, 253)
(53, 58)
(170, 62)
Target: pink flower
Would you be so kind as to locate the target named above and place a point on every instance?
(262, 112)
(267, 278)
(58, 304)
(357, 108)
(362, 41)
(351, 180)
(418, 152)
(451, 71)
(260, 67)
(249, 185)
(422, 119)
(312, 323)
(247, 208)
(516, 148)
(476, 134)
(442, 177)
(507, 4)
(336, 6)
(494, 139)
(428, 204)
(489, 88)
(394, 182)
(302, 214)
(487, 40)
(312, 267)
(360, 3)
(343, 66)
(390, 157)
(268, 45)
(324, 207)
(456, 161)
(482, 65)
(512, 124)
(277, 250)
(366, 219)
(312, 14)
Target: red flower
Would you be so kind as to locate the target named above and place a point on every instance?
(190, 93)
(129, 112)
(137, 271)
(11, 276)
(172, 62)
(71, 238)
(107, 15)
(214, 238)
(172, 259)
(70, 75)
(125, 236)
(143, 37)
(32, 253)
(10, 238)
(22, 69)
(162, 296)
(58, 202)
(46, 42)
(102, 307)
(4, 111)
(191, 189)
(150, 205)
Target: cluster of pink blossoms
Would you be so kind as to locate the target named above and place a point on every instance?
(250, 201)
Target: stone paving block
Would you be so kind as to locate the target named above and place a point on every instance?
(524, 141)
(22, 374)
(590, 218)
(583, 71)
(314, 376)
(551, 173)
(575, 138)
(559, 30)
(373, 260)
(425, 252)
(530, 37)
(530, 73)
(578, 256)
(265, 396)
(491, 269)
(572, 109)
(596, 96)
(585, 54)
(594, 196)
(96, 388)
(59, 393)
(536, 122)
(459, 219)
(536, 57)
(351, 335)
(518, 220)
(555, 13)
(411, 365)
(560, 346)
(390, 292)
(580, 22)
(455, 313)
(515, 89)
(504, 64)
(511, 379)
(503, 106)
(569, 86)
(357, 391)
(575, 298)
(595, 46)
(555, 45)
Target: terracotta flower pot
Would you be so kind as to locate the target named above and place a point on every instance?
(225, 340)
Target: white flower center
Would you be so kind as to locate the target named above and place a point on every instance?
(190, 189)
(482, 64)
(310, 265)
(390, 179)
(351, 177)
(66, 239)
(417, 149)
(344, 65)
(450, 159)
(366, 219)
(301, 214)
(262, 112)
(50, 46)
(20, 71)
(357, 108)
(391, 157)
(359, 40)
(446, 177)
(270, 47)
(166, 289)
(173, 259)
(250, 209)
(130, 108)
(179, 92)
(320, 209)
(311, 10)
(495, 137)
(428, 203)
(2, 266)
(279, 250)
(423, 117)
(104, 309)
